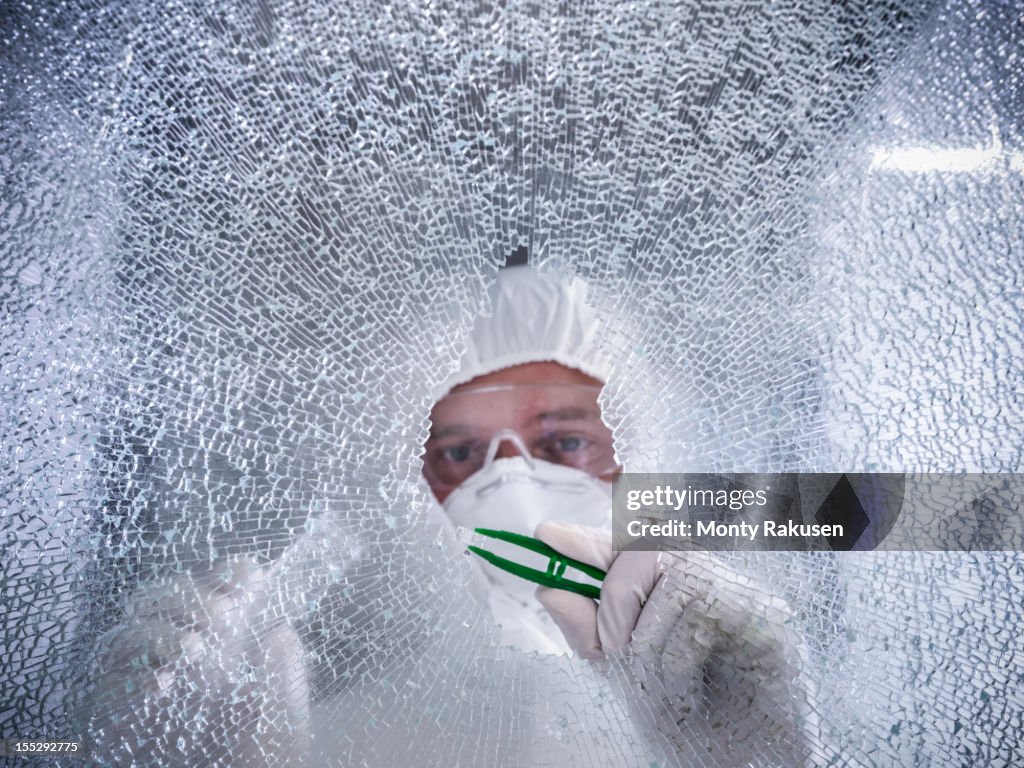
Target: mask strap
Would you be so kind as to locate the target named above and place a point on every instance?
(501, 436)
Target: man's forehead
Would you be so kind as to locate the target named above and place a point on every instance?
(523, 407)
(480, 411)
(547, 390)
(541, 372)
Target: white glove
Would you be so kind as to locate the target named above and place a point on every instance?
(708, 661)
(193, 677)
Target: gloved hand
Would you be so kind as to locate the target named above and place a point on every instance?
(195, 677)
(703, 651)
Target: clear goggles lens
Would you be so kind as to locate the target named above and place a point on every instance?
(557, 423)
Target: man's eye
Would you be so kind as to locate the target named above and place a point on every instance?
(457, 453)
(569, 443)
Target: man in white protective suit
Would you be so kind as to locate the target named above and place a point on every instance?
(517, 442)
(517, 439)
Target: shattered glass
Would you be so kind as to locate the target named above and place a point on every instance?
(242, 246)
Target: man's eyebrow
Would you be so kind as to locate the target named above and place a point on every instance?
(569, 413)
(448, 430)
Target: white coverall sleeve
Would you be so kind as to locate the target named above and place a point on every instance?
(708, 660)
(189, 678)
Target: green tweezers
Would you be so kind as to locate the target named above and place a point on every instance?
(553, 577)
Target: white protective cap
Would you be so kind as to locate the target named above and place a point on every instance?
(534, 318)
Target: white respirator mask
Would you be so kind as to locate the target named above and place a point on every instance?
(517, 494)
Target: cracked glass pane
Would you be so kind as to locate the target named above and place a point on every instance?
(264, 368)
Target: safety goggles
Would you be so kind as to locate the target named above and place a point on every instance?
(557, 423)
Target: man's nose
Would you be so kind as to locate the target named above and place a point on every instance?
(507, 449)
